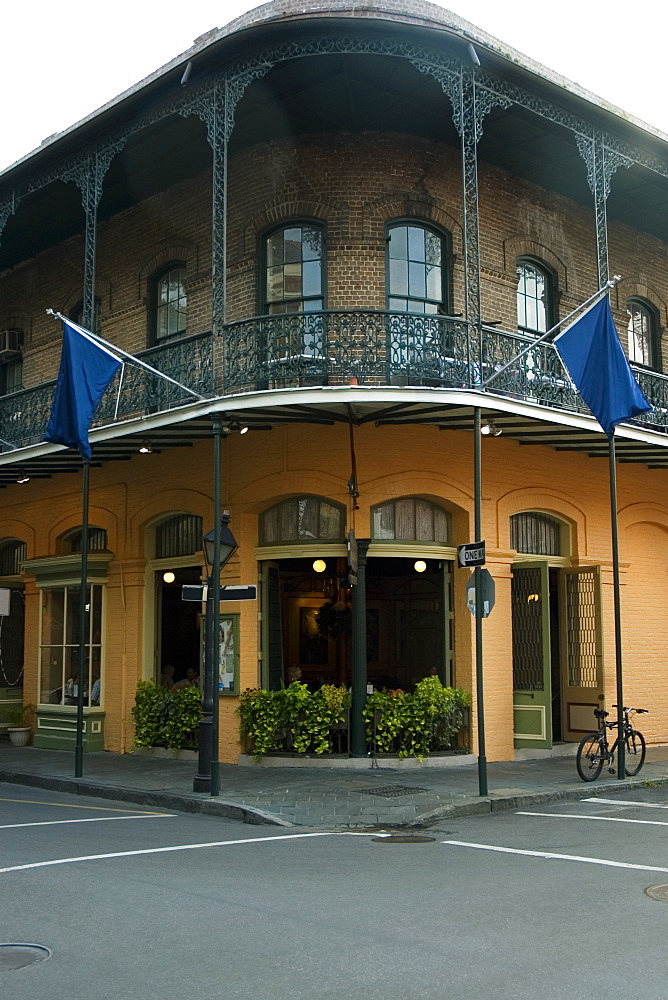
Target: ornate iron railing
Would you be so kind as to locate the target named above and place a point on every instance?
(334, 347)
(24, 415)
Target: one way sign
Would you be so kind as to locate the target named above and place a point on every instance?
(471, 554)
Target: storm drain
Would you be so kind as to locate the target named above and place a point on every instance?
(18, 956)
(391, 791)
(659, 892)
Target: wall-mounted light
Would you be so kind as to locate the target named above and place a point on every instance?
(419, 565)
(489, 427)
(145, 448)
(532, 598)
(169, 577)
(23, 478)
(319, 565)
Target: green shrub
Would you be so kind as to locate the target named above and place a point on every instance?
(416, 724)
(292, 718)
(166, 718)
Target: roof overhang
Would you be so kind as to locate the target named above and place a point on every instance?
(448, 409)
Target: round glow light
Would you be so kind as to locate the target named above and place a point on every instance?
(419, 566)
(169, 577)
(319, 565)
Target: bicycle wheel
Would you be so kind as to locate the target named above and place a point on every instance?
(589, 760)
(635, 752)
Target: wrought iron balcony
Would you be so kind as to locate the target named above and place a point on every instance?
(335, 347)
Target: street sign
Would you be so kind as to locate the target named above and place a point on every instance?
(488, 593)
(198, 592)
(471, 554)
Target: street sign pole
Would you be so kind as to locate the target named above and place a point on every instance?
(480, 703)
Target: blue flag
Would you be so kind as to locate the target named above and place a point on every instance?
(596, 362)
(86, 369)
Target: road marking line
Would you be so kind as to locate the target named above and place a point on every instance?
(182, 847)
(67, 805)
(624, 802)
(548, 856)
(604, 819)
(88, 819)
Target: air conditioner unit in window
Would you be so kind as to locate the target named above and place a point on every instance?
(11, 344)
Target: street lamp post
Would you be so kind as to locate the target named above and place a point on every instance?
(219, 545)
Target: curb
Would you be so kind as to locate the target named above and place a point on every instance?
(164, 800)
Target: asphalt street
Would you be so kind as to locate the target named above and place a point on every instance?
(140, 904)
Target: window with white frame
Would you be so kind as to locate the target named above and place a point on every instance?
(60, 672)
(642, 331)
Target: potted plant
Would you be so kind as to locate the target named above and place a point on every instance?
(20, 727)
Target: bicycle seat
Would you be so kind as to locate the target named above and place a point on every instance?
(600, 713)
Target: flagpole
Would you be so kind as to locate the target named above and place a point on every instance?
(119, 350)
(534, 343)
(621, 756)
(78, 749)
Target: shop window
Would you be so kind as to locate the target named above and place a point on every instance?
(293, 269)
(643, 334)
(535, 297)
(416, 258)
(180, 535)
(302, 519)
(169, 302)
(59, 667)
(411, 520)
(536, 533)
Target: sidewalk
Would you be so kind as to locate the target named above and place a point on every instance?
(325, 798)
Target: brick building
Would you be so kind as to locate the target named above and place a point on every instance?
(335, 223)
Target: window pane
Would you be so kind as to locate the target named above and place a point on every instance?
(417, 285)
(275, 249)
(308, 518)
(415, 243)
(441, 526)
(398, 277)
(275, 283)
(51, 670)
(292, 245)
(311, 275)
(383, 521)
(433, 248)
(293, 280)
(532, 298)
(399, 242)
(311, 244)
(424, 521)
(404, 513)
(330, 521)
(434, 283)
(53, 616)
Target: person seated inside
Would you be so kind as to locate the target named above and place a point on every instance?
(190, 680)
(95, 692)
(167, 676)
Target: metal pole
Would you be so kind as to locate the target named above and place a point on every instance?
(215, 607)
(202, 780)
(480, 700)
(621, 762)
(83, 621)
(358, 746)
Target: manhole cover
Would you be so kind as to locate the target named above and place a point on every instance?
(17, 956)
(659, 892)
(403, 838)
(391, 791)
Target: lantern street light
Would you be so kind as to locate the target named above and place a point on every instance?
(219, 545)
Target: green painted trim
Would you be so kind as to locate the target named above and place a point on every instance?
(56, 729)
(53, 571)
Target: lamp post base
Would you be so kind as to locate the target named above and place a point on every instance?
(201, 784)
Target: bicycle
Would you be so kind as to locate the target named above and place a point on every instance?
(594, 750)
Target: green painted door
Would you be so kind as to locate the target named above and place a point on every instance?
(532, 689)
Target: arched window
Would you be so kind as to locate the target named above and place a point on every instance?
(97, 540)
(293, 269)
(180, 535)
(411, 520)
(535, 297)
(536, 533)
(11, 363)
(302, 519)
(12, 553)
(169, 302)
(643, 330)
(416, 268)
